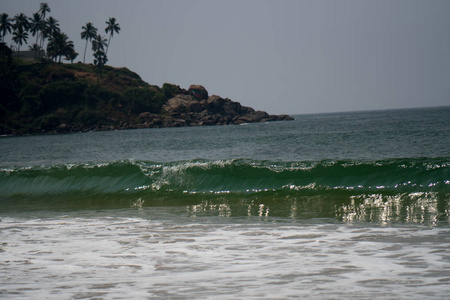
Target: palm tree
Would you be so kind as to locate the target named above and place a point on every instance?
(20, 36)
(59, 45)
(99, 43)
(35, 26)
(5, 25)
(89, 32)
(112, 27)
(50, 26)
(43, 9)
(100, 58)
(21, 21)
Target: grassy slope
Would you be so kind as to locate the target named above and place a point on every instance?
(40, 98)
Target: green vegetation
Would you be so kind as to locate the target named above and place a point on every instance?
(111, 28)
(44, 95)
(59, 45)
(51, 97)
(100, 59)
(89, 32)
(5, 25)
(20, 36)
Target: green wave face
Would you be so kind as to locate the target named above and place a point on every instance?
(344, 189)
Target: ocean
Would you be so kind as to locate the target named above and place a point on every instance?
(327, 206)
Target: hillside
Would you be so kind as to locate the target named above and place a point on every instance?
(60, 98)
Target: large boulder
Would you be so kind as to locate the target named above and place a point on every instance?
(183, 103)
(215, 104)
(232, 108)
(283, 118)
(255, 116)
(150, 120)
(191, 108)
(198, 92)
(177, 101)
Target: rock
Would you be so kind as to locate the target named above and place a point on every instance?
(232, 108)
(62, 127)
(195, 108)
(208, 120)
(145, 115)
(255, 116)
(282, 118)
(246, 110)
(178, 123)
(198, 92)
(180, 100)
(215, 104)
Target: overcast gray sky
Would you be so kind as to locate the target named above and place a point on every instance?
(279, 56)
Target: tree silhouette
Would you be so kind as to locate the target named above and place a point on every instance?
(99, 43)
(36, 24)
(50, 26)
(43, 9)
(59, 45)
(89, 32)
(34, 47)
(100, 58)
(111, 28)
(5, 25)
(20, 36)
(72, 55)
(21, 21)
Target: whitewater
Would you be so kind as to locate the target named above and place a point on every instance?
(327, 206)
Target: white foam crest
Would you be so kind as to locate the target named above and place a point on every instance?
(167, 174)
(310, 186)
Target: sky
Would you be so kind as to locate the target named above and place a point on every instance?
(283, 57)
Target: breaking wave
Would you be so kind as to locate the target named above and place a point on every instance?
(205, 186)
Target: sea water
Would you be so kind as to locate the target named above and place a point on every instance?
(327, 206)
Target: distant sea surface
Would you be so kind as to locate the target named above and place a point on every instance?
(327, 206)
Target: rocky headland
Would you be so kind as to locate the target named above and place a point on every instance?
(194, 107)
(51, 98)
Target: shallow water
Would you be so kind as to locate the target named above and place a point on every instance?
(103, 257)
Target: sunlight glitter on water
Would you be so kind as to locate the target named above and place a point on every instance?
(412, 208)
